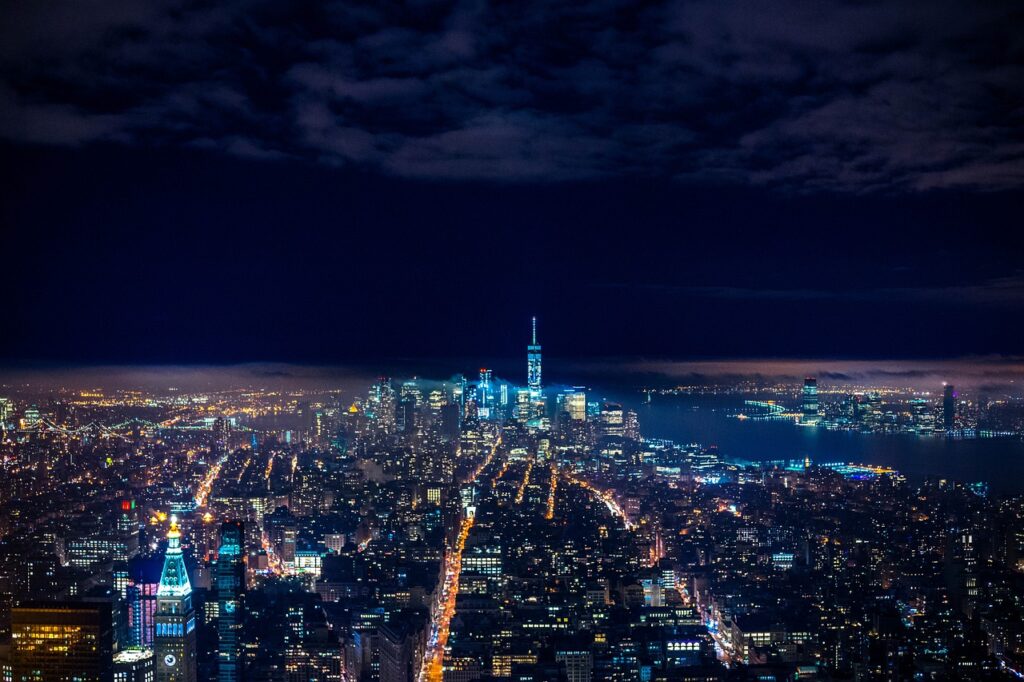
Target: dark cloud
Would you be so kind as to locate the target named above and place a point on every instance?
(999, 374)
(835, 96)
(997, 292)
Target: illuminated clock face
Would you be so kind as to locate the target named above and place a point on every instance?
(170, 660)
(229, 606)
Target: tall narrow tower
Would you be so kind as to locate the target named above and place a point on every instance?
(809, 407)
(533, 364)
(175, 639)
(949, 407)
(230, 586)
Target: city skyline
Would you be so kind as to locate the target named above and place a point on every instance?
(470, 341)
(994, 373)
(510, 528)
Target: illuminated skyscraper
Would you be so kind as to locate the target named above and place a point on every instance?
(175, 640)
(809, 408)
(523, 405)
(382, 402)
(230, 584)
(62, 641)
(405, 415)
(576, 405)
(485, 394)
(221, 434)
(613, 421)
(533, 376)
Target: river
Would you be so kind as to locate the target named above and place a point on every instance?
(706, 420)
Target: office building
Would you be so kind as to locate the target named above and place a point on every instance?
(948, 407)
(230, 588)
(62, 641)
(175, 638)
(809, 404)
(134, 665)
(533, 368)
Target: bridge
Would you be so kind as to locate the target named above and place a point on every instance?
(95, 428)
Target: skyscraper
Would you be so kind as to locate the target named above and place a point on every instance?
(134, 665)
(809, 407)
(382, 403)
(405, 415)
(575, 404)
(230, 585)
(175, 640)
(485, 393)
(948, 408)
(62, 641)
(533, 377)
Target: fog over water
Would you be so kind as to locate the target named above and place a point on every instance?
(997, 375)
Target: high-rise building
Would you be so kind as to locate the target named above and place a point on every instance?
(923, 414)
(523, 405)
(62, 641)
(175, 638)
(459, 390)
(948, 408)
(134, 665)
(96, 549)
(402, 641)
(575, 405)
(809, 407)
(533, 373)
(381, 405)
(230, 586)
(613, 420)
(578, 662)
(221, 434)
(485, 394)
(405, 415)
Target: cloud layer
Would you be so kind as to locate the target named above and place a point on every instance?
(826, 96)
(997, 376)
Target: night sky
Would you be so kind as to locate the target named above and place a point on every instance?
(199, 182)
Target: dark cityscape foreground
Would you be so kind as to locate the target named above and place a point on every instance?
(475, 529)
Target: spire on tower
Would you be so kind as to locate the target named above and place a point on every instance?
(174, 631)
(533, 380)
(174, 578)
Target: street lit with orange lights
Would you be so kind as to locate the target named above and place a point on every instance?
(549, 513)
(206, 485)
(501, 473)
(273, 561)
(606, 496)
(525, 482)
(444, 605)
(485, 463)
(433, 660)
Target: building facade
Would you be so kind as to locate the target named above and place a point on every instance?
(175, 637)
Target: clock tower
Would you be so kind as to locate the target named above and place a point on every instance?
(175, 637)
